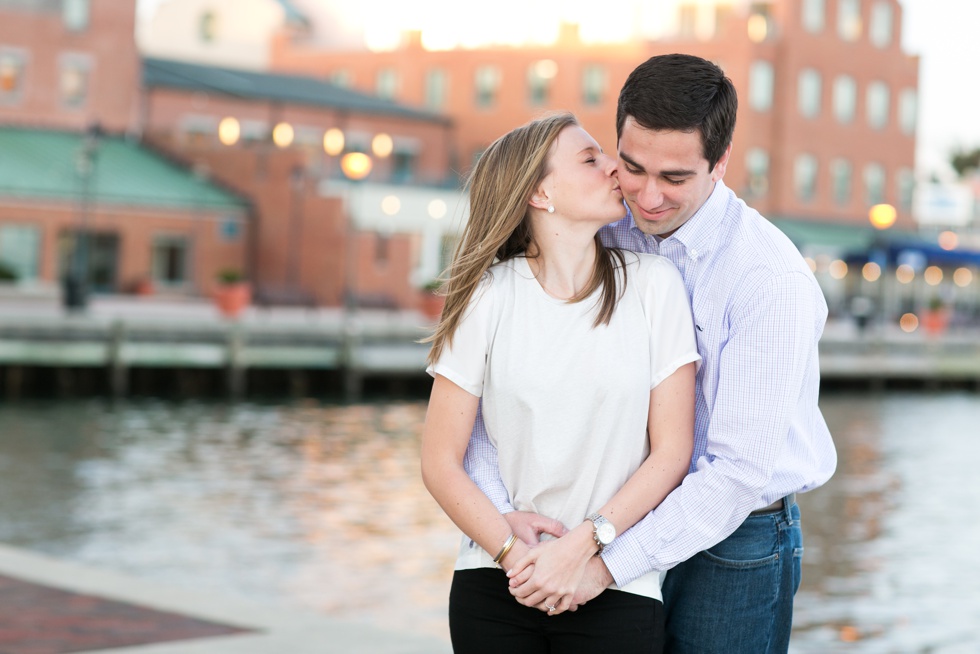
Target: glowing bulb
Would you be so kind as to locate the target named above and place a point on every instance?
(229, 131)
(882, 216)
(282, 135)
(871, 271)
(382, 145)
(356, 165)
(391, 205)
(333, 142)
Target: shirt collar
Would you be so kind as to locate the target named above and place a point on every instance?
(700, 231)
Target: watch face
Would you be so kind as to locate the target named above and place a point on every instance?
(606, 532)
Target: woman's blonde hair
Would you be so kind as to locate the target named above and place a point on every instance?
(499, 227)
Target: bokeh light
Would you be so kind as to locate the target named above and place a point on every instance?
(871, 271)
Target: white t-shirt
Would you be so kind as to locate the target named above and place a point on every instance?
(566, 403)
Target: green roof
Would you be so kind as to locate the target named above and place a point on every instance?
(44, 164)
(251, 85)
(826, 234)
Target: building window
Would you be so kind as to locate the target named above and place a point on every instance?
(20, 250)
(403, 164)
(880, 31)
(908, 101)
(75, 14)
(207, 26)
(845, 98)
(487, 85)
(874, 184)
(386, 84)
(11, 76)
(760, 85)
(436, 86)
(540, 76)
(877, 100)
(814, 12)
(849, 19)
(342, 78)
(905, 181)
(757, 166)
(842, 175)
(74, 80)
(805, 177)
(595, 81)
(723, 17)
(171, 260)
(687, 21)
(808, 93)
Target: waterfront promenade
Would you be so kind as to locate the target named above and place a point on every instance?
(49, 606)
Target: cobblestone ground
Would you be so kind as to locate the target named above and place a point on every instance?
(37, 619)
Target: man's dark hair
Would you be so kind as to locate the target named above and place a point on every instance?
(680, 92)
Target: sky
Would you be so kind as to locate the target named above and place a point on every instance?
(942, 32)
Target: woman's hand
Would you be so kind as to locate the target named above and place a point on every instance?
(530, 526)
(548, 576)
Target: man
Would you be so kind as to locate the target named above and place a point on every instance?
(730, 534)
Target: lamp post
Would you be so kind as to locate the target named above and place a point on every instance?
(297, 180)
(882, 217)
(356, 166)
(76, 282)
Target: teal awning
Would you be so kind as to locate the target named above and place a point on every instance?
(836, 236)
(43, 164)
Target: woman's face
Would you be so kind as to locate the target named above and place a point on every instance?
(582, 182)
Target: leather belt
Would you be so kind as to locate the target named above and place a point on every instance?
(777, 506)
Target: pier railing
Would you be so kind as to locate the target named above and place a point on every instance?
(356, 348)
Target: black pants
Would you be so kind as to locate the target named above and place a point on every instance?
(485, 618)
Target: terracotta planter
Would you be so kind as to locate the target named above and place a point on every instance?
(432, 305)
(144, 287)
(935, 322)
(232, 299)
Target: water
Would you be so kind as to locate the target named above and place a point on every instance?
(322, 506)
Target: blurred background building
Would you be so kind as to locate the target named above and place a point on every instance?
(253, 105)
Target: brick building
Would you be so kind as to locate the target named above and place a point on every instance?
(828, 98)
(170, 172)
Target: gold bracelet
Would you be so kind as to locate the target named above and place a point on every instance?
(505, 549)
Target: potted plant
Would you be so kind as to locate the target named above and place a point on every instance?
(7, 273)
(936, 318)
(432, 299)
(233, 292)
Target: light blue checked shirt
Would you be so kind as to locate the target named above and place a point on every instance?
(758, 433)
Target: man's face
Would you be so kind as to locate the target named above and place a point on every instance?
(664, 176)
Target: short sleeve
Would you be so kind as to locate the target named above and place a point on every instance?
(464, 361)
(672, 339)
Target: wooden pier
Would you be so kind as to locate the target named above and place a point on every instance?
(82, 354)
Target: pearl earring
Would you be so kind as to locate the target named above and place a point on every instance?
(551, 208)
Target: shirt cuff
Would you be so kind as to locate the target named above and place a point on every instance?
(625, 559)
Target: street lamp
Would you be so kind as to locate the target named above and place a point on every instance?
(882, 217)
(297, 182)
(355, 166)
(77, 278)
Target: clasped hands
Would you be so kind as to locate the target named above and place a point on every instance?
(555, 575)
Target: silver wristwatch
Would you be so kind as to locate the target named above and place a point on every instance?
(603, 531)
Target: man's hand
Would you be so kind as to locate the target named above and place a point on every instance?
(595, 580)
(529, 526)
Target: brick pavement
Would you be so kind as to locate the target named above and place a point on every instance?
(37, 619)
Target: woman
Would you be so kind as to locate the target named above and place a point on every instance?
(585, 359)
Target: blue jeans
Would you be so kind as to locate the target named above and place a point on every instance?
(737, 597)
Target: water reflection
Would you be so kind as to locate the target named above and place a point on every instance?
(890, 562)
(323, 506)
